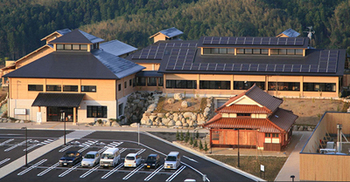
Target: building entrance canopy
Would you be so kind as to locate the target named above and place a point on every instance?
(58, 100)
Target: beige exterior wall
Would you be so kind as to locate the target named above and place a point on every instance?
(159, 37)
(245, 101)
(41, 52)
(262, 116)
(150, 66)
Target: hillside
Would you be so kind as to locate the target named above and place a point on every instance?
(24, 22)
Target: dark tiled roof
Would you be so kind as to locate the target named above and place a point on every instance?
(117, 48)
(170, 32)
(77, 36)
(283, 118)
(149, 74)
(263, 98)
(58, 100)
(243, 109)
(65, 65)
(264, 125)
(63, 31)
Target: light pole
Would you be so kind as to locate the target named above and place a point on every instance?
(64, 123)
(292, 176)
(138, 133)
(237, 146)
(26, 156)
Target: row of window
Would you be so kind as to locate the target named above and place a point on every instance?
(151, 81)
(75, 47)
(244, 85)
(101, 111)
(273, 135)
(58, 88)
(253, 51)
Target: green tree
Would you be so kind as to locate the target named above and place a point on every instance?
(200, 145)
(195, 144)
(177, 135)
(205, 146)
(181, 136)
(187, 136)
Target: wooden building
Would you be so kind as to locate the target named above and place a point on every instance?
(224, 66)
(71, 74)
(251, 119)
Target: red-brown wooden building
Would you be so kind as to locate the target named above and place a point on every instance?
(255, 117)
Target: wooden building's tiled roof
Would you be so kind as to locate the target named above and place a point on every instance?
(244, 109)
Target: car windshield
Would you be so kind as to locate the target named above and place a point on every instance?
(107, 156)
(171, 158)
(89, 156)
(151, 159)
(69, 154)
(130, 158)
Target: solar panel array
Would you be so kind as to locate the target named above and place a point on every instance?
(157, 51)
(183, 60)
(265, 41)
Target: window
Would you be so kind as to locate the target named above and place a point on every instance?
(97, 111)
(265, 51)
(274, 51)
(206, 50)
(231, 51)
(267, 135)
(319, 87)
(299, 52)
(53, 88)
(248, 51)
(215, 50)
(285, 86)
(282, 51)
(125, 84)
(215, 135)
(160, 81)
(35, 87)
(274, 135)
(120, 109)
(134, 82)
(290, 51)
(243, 114)
(141, 81)
(225, 85)
(68, 46)
(256, 51)
(59, 46)
(240, 51)
(119, 87)
(76, 47)
(186, 84)
(88, 88)
(151, 81)
(245, 85)
(70, 88)
(223, 51)
(130, 82)
(83, 47)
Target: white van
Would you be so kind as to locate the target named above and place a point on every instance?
(110, 157)
(172, 161)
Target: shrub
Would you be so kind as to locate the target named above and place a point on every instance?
(187, 136)
(177, 135)
(191, 141)
(205, 146)
(197, 135)
(195, 144)
(200, 145)
(181, 136)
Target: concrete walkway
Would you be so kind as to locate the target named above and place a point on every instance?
(292, 165)
(13, 166)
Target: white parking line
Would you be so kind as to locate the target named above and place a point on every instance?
(133, 172)
(32, 167)
(176, 173)
(114, 144)
(49, 169)
(149, 177)
(122, 150)
(140, 151)
(69, 170)
(190, 159)
(47, 141)
(5, 160)
(112, 171)
(87, 145)
(18, 144)
(102, 150)
(83, 149)
(65, 148)
(7, 141)
(89, 171)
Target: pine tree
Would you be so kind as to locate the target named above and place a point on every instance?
(181, 136)
(177, 135)
(205, 146)
(187, 137)
(197, 135)
(195, 144)
(191, 140)
(200, 145)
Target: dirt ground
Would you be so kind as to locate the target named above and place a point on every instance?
(310, 111)
(194, 105)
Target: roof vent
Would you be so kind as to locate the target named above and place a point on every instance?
(276, 116)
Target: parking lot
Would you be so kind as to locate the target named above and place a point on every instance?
(47, 168)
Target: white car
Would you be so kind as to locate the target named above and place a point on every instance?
(90, 159)
(132, 160)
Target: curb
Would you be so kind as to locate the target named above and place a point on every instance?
(194, 152)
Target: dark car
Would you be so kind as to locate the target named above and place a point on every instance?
(152, 161)
(70, 158)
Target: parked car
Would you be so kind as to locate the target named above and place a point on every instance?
(152, 161)
(90, 159)
(70, 158)
(132, 160)
(110, 157)
(172, 161)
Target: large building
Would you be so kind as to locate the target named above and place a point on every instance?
(73, 75)
(251, 119)
(281, 66)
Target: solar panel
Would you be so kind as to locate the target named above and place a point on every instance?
(220, 67)
(211, 67)
(245, 67)
(203, 66)
(257, 40)
(265, 41)
(262, 67)
(237, 67)
(273, 41)
(248, 41)
(270, 67)
(313, 68)
(240, 40)
(296, 68)
(232, 40)
(279, 67)
(223, 40)
(215, 40)
(281, 41)
(253, 67)
(287, 68)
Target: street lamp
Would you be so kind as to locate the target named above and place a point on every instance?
(26, 157)
(292, 176)
(64, 121)
(238, 146)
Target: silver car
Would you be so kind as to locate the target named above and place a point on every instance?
(90, 159)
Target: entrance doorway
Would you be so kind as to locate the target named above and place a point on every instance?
(54, 113)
